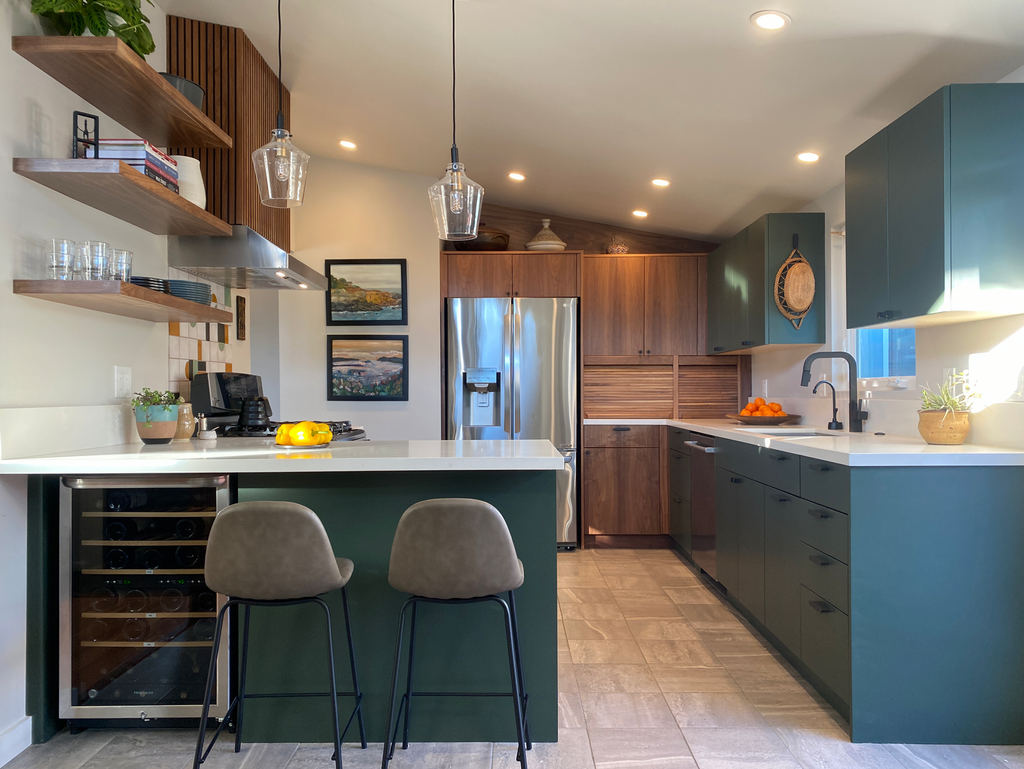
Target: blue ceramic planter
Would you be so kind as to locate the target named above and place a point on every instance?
(156, 424)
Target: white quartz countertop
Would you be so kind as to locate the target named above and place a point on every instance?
(844, 448)
(259, 455)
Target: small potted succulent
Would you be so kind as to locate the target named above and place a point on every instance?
(156, 415)
(944, 417)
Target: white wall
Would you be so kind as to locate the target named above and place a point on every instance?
(52, 355)
(361, 212)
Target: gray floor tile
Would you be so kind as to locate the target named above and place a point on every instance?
(626, 710)
(739, 748)
(64, 751)
(640, 749)
(714, 710)
(830, 748)
(318, 756)
(151, 748)
(572, 751)
(943, 757)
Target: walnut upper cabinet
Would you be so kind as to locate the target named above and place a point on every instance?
(641, 305)
(503, 273)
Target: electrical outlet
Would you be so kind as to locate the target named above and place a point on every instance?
(122, 382)
(764, 388)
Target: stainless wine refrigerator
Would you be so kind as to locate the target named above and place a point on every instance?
(137, 619)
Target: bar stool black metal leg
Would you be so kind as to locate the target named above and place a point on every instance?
(240, 704)
(408, 682)
(519, 666)
(389, 741)
(334, 685)
(352, 660)
(199, 757)
(517, 699)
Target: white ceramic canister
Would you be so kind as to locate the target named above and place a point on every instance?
(190, 180)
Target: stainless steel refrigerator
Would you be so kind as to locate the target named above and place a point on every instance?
(512, 375)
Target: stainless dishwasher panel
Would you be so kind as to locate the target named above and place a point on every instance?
(702, 502)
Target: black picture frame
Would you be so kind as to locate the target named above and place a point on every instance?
(335, 268)
(403, 339)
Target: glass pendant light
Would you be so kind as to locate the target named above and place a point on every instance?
(280, 166)
(455, 198)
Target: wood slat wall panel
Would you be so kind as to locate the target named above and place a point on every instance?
(627, 391)
(241, 98)
(708, 392)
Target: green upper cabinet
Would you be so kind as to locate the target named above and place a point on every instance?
(933, 202)
(742, 312)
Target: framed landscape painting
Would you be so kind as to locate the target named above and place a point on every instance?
(361, 367)
(366, 292)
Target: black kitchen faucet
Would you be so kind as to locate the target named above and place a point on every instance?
(857, 415)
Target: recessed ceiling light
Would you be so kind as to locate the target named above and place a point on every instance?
(808, 157)
(347, 144)
(770, 19)
(280, 274)
(303, 285)
(516, 176)
(641, 214)
(660, 182)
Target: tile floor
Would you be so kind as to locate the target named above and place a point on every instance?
(655, 670)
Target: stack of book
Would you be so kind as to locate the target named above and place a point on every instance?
(143, 157)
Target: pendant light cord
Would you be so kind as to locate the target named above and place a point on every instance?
(455, 149)
(280, 85)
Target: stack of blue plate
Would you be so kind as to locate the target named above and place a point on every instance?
(187, 289)
(154, 284)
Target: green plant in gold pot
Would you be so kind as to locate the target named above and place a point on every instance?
(100, 17)
(156, 415)
(944, 416)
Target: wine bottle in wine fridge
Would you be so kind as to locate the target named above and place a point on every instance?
(138, 620)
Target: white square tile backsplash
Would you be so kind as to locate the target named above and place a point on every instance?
(198, 343)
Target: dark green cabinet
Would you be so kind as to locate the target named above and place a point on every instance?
(727, 527)
(932, 211)
(825, 642)
(750, 547)
(742, 313)
(782, 567)
(867, 249)
(679, 495)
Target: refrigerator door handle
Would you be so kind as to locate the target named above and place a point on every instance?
(516, 363)
(506, 375)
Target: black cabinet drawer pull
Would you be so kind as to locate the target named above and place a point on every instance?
(777, 457)
(677, 499)
(819, 514)
(719, 349)
(819, 468)
(778, 498)
(735, 480)
(820, 606)
(621, 429)
(747, 344)
(819, 560)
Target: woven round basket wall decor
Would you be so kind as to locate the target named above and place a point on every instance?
(794, 288)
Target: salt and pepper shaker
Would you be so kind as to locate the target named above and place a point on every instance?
(205, 433)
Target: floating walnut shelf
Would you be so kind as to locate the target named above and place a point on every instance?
(118, 298)
(116, 188)
(119, 83)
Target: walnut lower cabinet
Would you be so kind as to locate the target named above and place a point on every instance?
(622, 479)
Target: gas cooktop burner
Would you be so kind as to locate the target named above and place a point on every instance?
(342, 431)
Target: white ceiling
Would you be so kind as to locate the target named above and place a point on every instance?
(591, 99)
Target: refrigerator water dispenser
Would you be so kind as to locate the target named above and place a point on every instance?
(482, 402)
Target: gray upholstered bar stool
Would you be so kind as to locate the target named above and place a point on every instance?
(455, 551)
(274, 554)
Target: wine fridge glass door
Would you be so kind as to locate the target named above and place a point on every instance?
(138, 621)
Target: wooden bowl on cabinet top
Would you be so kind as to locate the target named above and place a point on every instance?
(764, 421)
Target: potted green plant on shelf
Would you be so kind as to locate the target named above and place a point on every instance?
(156, 415)
(100, 17)
(944, 417)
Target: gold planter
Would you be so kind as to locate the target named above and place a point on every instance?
(944, 428)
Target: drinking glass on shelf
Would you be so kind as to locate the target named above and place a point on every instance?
(81, 254)
(97, 260)
(121, 265)
(62, 259)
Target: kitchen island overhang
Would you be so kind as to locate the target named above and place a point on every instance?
(360, 492)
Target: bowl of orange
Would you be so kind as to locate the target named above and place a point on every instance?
(762, 412)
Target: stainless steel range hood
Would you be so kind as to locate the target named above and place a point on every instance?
(245, 260)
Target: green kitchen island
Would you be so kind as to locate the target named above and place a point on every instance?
(360, 491)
